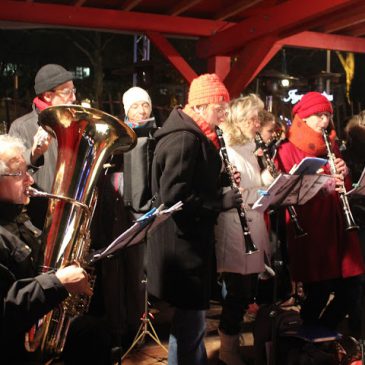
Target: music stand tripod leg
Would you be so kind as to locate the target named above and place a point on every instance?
(143, 328)
(154, 335)
(134, 343)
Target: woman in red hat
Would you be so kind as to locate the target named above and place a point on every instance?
(327, 260)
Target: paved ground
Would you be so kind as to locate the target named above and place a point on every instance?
(151, 353)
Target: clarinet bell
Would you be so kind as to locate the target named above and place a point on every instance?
(250, 247)
(299, 232)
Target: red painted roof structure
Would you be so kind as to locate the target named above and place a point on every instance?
(237, 37)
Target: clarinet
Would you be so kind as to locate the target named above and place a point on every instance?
(298, 230)
(350, 223)
(250, 247)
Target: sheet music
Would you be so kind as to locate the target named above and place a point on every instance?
(359, 188)
(278, 189)
(308, 166)
(308, 187)
(289, 189)
(138, 231)
(300, 185)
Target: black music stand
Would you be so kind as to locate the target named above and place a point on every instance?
(137, 234)
(145, 328)
(295, 188)
(288, 189)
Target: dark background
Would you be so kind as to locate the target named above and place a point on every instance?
(110, 59)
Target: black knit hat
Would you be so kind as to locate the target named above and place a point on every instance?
(50, 76)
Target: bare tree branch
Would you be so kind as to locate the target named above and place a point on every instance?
(85, 51)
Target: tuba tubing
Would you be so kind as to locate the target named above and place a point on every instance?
(86, 138)
(34, 193)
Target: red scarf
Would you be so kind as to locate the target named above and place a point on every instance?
(203, 125)
(40, 104)
(308, 140)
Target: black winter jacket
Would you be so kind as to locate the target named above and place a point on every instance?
(24, 297)
(186, 167)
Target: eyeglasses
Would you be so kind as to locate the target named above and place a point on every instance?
(21, 174)
(65, 92)
(220, 109)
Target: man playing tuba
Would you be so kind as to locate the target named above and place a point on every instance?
(25, 296)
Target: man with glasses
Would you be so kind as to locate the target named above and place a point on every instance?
(24, 295)
(186, 166)
(53, 86)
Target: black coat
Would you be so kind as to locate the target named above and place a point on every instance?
(24, 297)
(186, 167)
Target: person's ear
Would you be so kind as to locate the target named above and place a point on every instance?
(47, 96)
(196, 109)
(199, 109)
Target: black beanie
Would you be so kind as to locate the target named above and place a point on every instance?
(50, 76)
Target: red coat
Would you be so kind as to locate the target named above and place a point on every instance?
(328, 251)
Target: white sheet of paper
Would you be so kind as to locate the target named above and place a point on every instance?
(291, 190)
(138, 231)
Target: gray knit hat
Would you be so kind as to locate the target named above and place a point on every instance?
(50, 76)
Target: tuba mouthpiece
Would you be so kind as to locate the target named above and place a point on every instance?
(32, 192)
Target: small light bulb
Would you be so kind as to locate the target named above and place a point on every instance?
(284, 82)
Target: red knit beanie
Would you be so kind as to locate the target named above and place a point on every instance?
(207, 89)
(312, 103)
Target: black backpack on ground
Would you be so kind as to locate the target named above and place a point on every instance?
(276, 344)
(271, 321)
(294, 351)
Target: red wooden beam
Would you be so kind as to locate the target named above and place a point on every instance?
(258, 53)
(354, 16)
(219, 65)
(111, 20)
(182, 6)
(236, 8)
(356, 30)
(252, 59)
(130, 4)
(283, 17)
(79, 2)
(172, 55)
(325, 41)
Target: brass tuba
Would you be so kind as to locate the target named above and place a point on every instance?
(86, 138)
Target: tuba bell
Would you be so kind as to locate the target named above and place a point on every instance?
(86, 138)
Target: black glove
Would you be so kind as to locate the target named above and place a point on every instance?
(231, 199)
